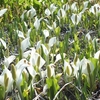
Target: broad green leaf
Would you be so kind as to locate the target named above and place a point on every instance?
(94, 61)
(49, 82)
(36, 4)
(2, 92)
(53, 86)
(57, 30)
(20, 2)
(58, 76)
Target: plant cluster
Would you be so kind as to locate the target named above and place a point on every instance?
(49, 50)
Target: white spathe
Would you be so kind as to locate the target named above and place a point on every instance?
(3, 43)
(85, 6)
(47, 12)
(25, 44)
(9, 60)
(61, 13)
(26, 54)
(74, 7)
(45, 50)
(67, 68)
(37, 23)
(76, 18)
(95, 9)
(34, 59)
(46, 33)
(58, 57)
(52, 41)
(38, 45)
(52, 8)
(22, 16)
(88, 36)
(97, 54)
(10, 79)
(83, 65)
(31, 13)
(20, 34)
(2, 11)
(20, 67)
(66, 7)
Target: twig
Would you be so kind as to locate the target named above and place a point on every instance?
(38, 82)
(61, 90)
(38, 96)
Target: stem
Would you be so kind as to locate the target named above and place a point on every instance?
(61, 90)
(99, 27)
(20, 92)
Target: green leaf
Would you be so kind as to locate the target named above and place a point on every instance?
(25, 93)
(57, 30)
(21, 1)
(94, 61)
(53, 87)
(37, 4)
(49, 82)
(2, 92)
